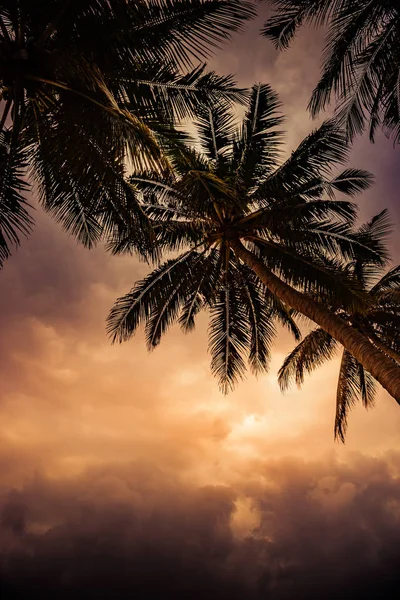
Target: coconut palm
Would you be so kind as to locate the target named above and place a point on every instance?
(380, 323)
(361, 64)
(90, 86)
(254, 242)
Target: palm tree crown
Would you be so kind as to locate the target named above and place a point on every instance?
(91, 84)
(234, 192)
(361, 58)
(381, 323)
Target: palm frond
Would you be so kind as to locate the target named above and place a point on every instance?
(284, 316)
(174, 298)
(365, 88)
(15, 219)
(175, 32)
(312, 160)
(373, 235)
(388, 283)
(203, 292)
(215, 126)
(229, 335)
(174, 236)
(207, 193)
(316, 348)
(354, 383)
(162, 92)
(261, 313)
(282, 217)
(188, 28)
(349, 30)
(158, 189)
(340, 239)
(352, 181)
(185, 159)
(89, 197)
(386, 321)
(88, 107)
(257, 145)
(282, 27)
(361, 59)
(148, 295)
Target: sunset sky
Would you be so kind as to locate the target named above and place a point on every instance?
(128, 472)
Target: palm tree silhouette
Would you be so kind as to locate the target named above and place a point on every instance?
(255, 241)
(361, 61)
(380, 323)
(92, 85)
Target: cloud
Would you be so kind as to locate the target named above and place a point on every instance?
(318, 530)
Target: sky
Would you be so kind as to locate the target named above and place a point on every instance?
(123, 471)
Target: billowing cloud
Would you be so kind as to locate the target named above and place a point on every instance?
(300, 530)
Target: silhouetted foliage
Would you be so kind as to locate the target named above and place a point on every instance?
(381, 323)
(235, 192)
(361, 60)
(90, 86)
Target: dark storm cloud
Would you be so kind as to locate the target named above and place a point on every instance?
(325, 530)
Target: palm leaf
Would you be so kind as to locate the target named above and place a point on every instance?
(162, 92)
(284, 315)
(354, 383)
(261, 313)
(148, 295)
(158, 189)
(91, 105)
(365, 87)
(316, 348)
(189, 28)
(215, 127)
(313, 158)
(92, 200)
(281, 217)
(15, 219)
(176, 292)
(179, 235)
(257, 145)
(202, 293)
(350, 29)
(229, 335)
(281, 28)
(352, 181)
(340, 239)
(171, 31)
(374, 233)
(360, 62)
(388, 283)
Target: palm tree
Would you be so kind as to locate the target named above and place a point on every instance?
(361, 64)
(255, 242)
(380, 323)
(91, 86)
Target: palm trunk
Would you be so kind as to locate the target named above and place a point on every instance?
(381, 367)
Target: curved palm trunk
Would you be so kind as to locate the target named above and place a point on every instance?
(381, 366)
